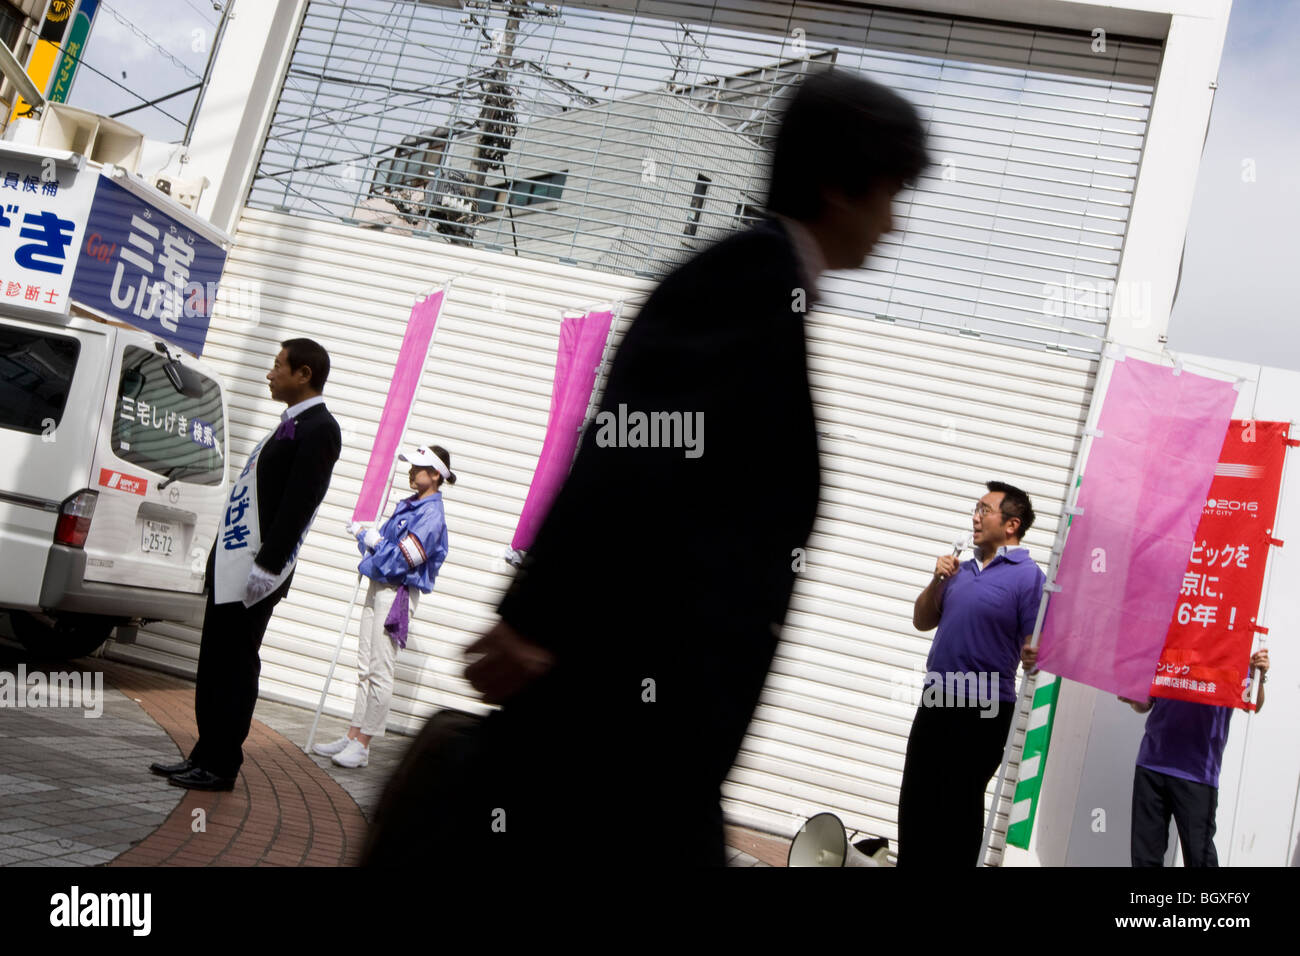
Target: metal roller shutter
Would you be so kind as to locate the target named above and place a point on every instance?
(485, 396)
(903, 445)
(940, 367)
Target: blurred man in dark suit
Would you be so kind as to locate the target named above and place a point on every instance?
(271, 506)
(636, 637)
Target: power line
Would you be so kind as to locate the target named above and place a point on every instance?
(148, 39)
(81, 61)
(154, 102)
(201, 13)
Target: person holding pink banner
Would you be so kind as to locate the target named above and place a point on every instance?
(1177, 774)
(402, 561)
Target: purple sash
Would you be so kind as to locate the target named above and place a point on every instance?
(399, 617)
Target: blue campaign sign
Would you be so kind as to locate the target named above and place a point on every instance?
(141, 266)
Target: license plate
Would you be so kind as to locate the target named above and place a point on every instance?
(158, 537)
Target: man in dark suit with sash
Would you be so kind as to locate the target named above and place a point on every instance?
(270, 507)
(636, 637)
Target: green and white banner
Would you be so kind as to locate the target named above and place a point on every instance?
(1033, 763)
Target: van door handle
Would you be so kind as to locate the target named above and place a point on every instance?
(157, 512)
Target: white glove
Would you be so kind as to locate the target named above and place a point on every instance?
(354, 529)
(260, 583)
(371, 538)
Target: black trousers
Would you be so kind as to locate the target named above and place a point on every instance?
(1156, 797)
(225, 691)
(952, 753)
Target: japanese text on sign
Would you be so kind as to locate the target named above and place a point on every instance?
(1215, 621)
(43, 211)
(235, 533)
(149, 294)
(148, 266)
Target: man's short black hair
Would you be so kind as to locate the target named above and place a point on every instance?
(1015, 504)
(842, 131)
(302, 352)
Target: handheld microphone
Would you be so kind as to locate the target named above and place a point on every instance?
(958, 546)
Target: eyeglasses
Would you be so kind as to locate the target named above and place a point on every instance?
(984, 510)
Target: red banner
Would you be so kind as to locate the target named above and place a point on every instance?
(1207, 651)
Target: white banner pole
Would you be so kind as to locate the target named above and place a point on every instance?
(338, 649)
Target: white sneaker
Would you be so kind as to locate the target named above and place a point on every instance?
(355, 755)
(334, 747)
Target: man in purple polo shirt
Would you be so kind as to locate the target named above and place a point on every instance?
(1178, 774)
(985, 609)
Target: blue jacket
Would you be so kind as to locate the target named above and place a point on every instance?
(413, 545)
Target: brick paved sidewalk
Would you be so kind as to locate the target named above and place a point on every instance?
(284, 810)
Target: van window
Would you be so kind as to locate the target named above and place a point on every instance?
(157, 426)
(35, 375)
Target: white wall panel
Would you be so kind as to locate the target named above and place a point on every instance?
(913, 423)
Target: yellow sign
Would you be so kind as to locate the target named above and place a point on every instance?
(39, 68)
(45, 53)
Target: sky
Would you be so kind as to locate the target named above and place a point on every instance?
(1241, 252)
(128, 52)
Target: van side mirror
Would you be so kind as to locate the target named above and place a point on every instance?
(183, 379)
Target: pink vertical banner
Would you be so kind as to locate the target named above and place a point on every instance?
(397, 407)
(1149, 470)
(577, 360)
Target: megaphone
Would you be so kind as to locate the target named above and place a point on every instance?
(821, 841)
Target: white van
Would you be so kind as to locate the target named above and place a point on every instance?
(112, 476)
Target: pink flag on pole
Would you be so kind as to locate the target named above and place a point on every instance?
(397, 407)
(1142, 495)
(577, 360)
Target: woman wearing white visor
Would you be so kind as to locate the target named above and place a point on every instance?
(401, 559)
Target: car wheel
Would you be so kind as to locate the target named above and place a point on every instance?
(72, 635)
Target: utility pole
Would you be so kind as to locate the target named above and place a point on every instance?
(226, 11)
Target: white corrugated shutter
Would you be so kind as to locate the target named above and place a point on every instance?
(907, 435)
(485, 396)
(970, 376)
(912, 425)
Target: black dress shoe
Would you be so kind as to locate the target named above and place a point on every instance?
(199, 779)
(167, 769)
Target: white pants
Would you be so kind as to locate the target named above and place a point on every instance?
(376, 654)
